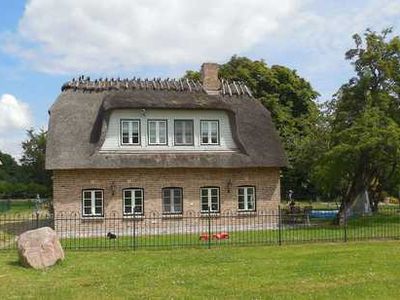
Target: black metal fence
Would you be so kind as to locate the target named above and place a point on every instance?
(202, 229)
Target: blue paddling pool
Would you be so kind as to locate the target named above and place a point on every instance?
(324, 214)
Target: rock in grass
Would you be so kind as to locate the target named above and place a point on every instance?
(39, 248)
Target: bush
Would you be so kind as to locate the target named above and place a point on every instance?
(23, 190)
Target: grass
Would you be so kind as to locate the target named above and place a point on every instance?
(318, 271)
(22, 206)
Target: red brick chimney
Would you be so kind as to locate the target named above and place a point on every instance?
(209, 77)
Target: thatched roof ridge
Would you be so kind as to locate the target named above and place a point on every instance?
(82, 83)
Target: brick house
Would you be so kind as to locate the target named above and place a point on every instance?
(133, 147)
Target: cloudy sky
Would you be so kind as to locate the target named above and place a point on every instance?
(44, 43)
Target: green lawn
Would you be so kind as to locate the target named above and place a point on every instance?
(20, 206)
(322, 271)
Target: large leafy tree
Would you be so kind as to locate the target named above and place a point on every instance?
(291, 101)
(364, 147)
(10, 171)
(33, 157)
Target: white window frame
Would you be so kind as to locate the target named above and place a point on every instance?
(157, 122)
(130, 131)
(209, 199)
(246, 199)
(133, 201)
(185, 122)
(173, 209)
(92, 203)
(209, 132)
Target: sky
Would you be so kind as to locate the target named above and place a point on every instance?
(44, 43)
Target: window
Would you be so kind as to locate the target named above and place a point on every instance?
(130, 132)
(157, 131)
(209, 132)
(183, 132)
(209, 198)
(246, 198)
(172, 200)
(133, 201)
(92, 203)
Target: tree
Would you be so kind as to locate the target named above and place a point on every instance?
(291, 101)
(9, 169)
(192, 75)
(364, 147)
(33, 158)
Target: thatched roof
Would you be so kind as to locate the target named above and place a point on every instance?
(78, 120)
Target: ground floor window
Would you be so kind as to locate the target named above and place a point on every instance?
(172, 200)
(209, 199)
(92, 203)
(246, 198)
(133, 201)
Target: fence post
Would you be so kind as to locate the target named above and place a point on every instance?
(279, 226)
(209, 227)
(37, 219)
(134, 233)
(345, 222)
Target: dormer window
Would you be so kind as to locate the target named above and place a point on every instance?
(184, 132)
(157, 131)
(209, 132)
(130, 132)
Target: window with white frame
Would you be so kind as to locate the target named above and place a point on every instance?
(209, 132)
(183, 132)
(246, 198)
(172, 200)
(133, 201)
(130, 132)
(209, 199)
(92, 203)
(157, 131)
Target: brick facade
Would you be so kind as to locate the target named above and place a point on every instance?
(68, 186)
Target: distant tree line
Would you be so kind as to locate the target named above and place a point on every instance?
(29, 178)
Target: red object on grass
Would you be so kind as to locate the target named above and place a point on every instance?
(217, 236)
(204, 237)
(221, 236)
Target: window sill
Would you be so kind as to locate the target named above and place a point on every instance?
(247, 213)
(172, 216)
(92, 218)
(211, 215)
(133, 217)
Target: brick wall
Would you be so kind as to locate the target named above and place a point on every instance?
(68, 186)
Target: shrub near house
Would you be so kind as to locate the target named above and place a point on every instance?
(133, 147)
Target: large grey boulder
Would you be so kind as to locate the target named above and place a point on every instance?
(39, 248)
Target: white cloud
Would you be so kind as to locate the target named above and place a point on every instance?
(94, 36)
(316, 39)
(14, 114)
(15, 118)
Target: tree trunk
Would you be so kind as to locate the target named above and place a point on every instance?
(360, 183)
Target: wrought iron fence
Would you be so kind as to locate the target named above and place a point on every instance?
(155, 230)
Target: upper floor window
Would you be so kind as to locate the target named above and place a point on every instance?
(157, 130)
(246, 198)
(172, 200)
(133, 201)
(92, 203)
(184, 132)
(130, 132)
(209, 199)
(209, 131)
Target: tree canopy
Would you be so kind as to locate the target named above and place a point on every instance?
(29, 178)
(364, 117)
(292, 103)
